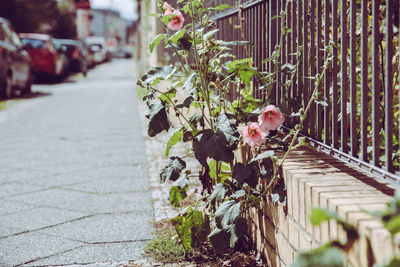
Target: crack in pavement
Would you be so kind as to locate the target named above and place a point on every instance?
(41, 258)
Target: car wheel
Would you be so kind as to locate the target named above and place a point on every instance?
(6, 87)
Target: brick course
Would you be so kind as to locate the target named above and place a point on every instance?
(314, 179)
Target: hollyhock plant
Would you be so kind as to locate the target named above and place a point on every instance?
(270, 118)
(253, 135)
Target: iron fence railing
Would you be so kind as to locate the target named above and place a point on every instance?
(359, 121)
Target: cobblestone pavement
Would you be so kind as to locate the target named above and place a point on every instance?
(73, 176)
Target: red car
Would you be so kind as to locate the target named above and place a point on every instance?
(46, 54)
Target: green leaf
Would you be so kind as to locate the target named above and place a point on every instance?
(220, 239)
(191, 227)
(174, 136)
(393, 225)
(156, 41)
(178, 190)
(238, 230)
(227, 213)
(178, 35)
(154, 75)
(219, 7)
(246, 174)
(288, 68)
(205, 146)
(158, 119)
(319, 215)
(188, 85)
(227, 134)
(266, 154)
(172, 169)
(218, 194)
(324, 256)
(186, 103)
(209, 34)
(279, 192)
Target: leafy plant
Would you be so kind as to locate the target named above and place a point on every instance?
(199, 84)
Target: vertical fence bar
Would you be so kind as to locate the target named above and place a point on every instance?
(335, 139)
(364, 81)
(288, 41)
(299, 43)
(319, 65)
(294, 48)
(353, 88)
(312, 66)
(389, 86)
(305, 63)
(343, 75)
(375, 82)
(278, 38)
(326, 77)
(272, 38)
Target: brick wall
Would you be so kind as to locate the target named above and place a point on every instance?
(314, 179)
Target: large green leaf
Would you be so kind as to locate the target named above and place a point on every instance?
(172, 169)
(192, 227)
(227, 213)
(325, 256)
(218, 194)
(279, 192)
(178, 35)
(205, 146)
(266, 154)
(158, 119)
(174, 136)
(220, 239)
(156, 74)
(227, 134)
(156, 41)
(246, 174)
(238, 230)
(178, 190)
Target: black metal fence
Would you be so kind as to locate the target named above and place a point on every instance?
(359, 121)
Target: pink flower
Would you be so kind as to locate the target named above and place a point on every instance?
(270, 118)
(177, 21)
(168, 9)
(253, 135)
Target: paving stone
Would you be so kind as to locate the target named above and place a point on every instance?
(27, 247)
(40, 217)
(10, 207)
(15, 188)
(91, 254)
(92, 203)
(6, 231)
(106, 228)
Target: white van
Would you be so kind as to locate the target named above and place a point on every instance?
(97, 46)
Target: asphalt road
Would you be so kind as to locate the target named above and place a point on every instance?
(73, 181)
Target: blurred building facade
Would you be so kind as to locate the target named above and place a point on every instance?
(108, 23)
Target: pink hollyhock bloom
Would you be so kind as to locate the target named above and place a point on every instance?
(270, 118)
(177, 21)
(168, 9)
(253, 135)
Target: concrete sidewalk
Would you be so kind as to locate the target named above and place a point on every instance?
(73, 175)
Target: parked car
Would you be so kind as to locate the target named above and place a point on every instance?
(15, 63)
(124, 52)
(97, 46)
(76, 54)
(46, 53)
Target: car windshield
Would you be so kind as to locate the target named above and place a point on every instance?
(33, 43)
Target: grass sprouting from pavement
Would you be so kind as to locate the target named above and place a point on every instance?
(164, 248)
